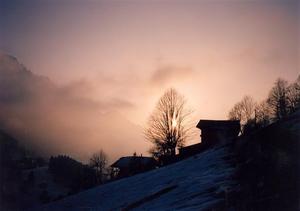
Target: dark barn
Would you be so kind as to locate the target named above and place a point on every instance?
(213, 132)
(130, 165)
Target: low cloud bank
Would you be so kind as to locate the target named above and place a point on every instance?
(63, 120)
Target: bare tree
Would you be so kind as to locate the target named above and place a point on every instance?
(243, 111)
(262, 114)
(168, 126)
(278, 99)
(293, 95)
(98, 161)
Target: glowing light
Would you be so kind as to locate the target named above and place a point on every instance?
(174, 123)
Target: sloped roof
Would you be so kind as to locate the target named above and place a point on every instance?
(125, 162)
(218, 124)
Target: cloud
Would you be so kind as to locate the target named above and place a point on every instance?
(85, 115)
(63, 119)
(169, 73)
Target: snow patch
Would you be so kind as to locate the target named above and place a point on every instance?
(192, 184)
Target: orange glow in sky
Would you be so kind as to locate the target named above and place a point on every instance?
(125, 54)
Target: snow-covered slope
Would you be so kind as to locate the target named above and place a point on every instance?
(41, 188)
(196, 183)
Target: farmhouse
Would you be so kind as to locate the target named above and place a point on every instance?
(130, 165)
(213, 132)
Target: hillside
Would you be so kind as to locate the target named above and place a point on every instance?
(24, 177)
(194, 184)
(259, 172)
(268, 167)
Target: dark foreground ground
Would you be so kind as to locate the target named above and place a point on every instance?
(255, 172)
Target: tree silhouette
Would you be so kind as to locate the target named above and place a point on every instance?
(71, 173)
(243, 111)
(278, 99)
(262, 114)
(294, 96)
(168, 126)
(98, 161)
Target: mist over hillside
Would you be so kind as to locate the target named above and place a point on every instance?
(56, 119)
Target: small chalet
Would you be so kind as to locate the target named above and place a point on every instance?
(130, 165)
(213, 132)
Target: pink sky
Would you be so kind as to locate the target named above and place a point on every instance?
(129, 52)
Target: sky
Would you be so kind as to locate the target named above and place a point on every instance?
(122, 55)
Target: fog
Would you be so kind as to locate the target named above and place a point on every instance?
(55, 119)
